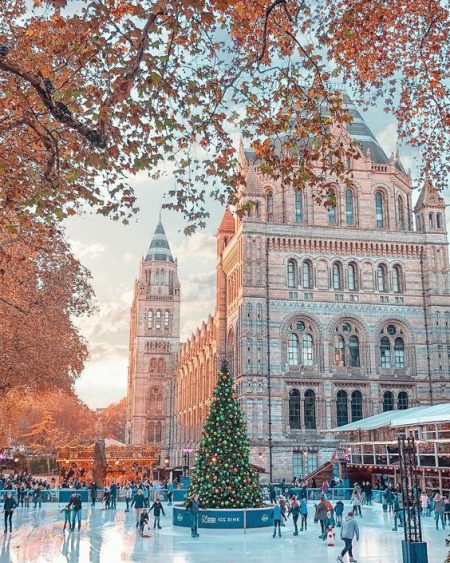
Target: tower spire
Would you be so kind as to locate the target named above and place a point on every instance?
(159, 248)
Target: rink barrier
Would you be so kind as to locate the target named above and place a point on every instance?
(62, 496)
(230, 518)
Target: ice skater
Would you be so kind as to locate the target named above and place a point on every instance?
(157, 509)
(67, 515)
(143, 521)
(193, 505)
(9, 507)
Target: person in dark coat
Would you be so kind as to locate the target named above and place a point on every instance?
(193, 505)
(94, 490)
(157, 509)
(76, 505)
(113, 494)
(9, 506)
(138, 502)
(321, 513)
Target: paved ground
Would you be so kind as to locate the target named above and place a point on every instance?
(110, 537)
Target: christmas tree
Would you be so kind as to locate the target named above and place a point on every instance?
(223, 477)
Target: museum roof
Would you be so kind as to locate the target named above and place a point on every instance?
(159, 248)
(400, 418)
(360, 132)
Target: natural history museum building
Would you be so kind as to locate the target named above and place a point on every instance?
(325, 315)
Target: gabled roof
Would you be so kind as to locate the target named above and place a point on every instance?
(159, 248)
(429, 197)
(227, 223)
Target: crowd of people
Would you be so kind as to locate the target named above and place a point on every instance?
(145, 497)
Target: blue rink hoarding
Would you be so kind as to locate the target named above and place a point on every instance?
(227, 518)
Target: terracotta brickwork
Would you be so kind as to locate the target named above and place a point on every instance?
(153, 346)
(326, 315)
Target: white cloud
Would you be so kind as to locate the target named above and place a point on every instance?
(388, 138)
(200, 245)
(87, 251)
(197, 301)
(104, 381)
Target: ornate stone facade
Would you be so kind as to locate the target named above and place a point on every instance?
(153, 346)
(327, 315)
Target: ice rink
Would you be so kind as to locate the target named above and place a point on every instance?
(109, 536)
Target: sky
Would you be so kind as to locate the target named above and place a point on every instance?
(113, 251)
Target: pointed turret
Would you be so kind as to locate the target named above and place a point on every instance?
(159, 248)
(430, 209)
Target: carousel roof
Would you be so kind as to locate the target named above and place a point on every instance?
(396, 419)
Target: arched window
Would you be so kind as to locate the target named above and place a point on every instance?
(388, 401)
(158, 432)
(293, 355)
(307, 275)
(357, 411)
(153, 365)
(397, 279)
(349, 207)
(341, 408)
(294, 409)
(150, 319)
(337, 276)
(352, 277)
(353, 346)
(385, 352)
(166, 319)
(257, 210)
(298, 206)
(310, 409)
(438, 220)
(331, 211)
(269, 204)
(308, 350)
(419, 223)
(161, 365)
(158, 319)
(346, 345)
(339, 351)
(402, 401)
(292, 273)
(399, 353)
(379, 210)
(401, 212)
(381, 278)
(431, 220)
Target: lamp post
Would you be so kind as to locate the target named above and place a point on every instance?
(186, 456)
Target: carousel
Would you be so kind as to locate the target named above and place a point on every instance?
(107, 461)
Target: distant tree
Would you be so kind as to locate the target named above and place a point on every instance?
(44, 435)
(111, 421)
(42, 288)
(98, 91)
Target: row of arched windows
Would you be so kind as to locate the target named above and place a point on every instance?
(157, 319)
(380, 209)
(304, 276)
(434, 221)
(301, 350)
(356, 405)
(157, 365)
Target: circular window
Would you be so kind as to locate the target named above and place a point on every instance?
(300, 325)
(391, 330)
(346, 327)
